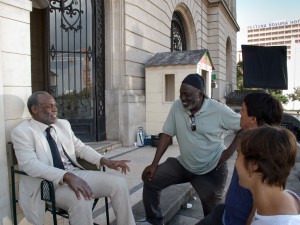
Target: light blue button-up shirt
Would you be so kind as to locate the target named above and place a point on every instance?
(200, 150)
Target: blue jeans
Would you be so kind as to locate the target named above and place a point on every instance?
(209, 187)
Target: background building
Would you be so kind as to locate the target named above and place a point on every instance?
(275, 34)
(293, 66)
(281, 33)
(93, 62)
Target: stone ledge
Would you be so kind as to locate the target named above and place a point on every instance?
(104, 146)
(171, 200)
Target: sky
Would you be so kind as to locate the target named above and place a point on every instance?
(256, 12)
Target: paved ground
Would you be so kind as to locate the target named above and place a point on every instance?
(191, 212)
(140, 158)
(175, 198)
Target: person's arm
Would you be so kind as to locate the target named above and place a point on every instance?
(27, 149)
(150, 170)
(227, 153)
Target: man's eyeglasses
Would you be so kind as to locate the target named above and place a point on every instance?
(193, 123)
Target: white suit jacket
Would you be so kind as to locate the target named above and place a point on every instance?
(34, 157)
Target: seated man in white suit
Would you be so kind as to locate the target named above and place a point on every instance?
(75, 188)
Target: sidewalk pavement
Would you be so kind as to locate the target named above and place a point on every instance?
(191, 215)
(173, 198)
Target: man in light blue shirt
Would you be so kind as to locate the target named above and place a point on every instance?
(198, 123)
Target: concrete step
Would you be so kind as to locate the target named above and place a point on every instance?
(140, 158)
(105, 146)
(173, 199)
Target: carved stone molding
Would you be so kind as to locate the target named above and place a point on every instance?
(40, 4)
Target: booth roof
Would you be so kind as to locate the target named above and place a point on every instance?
(192, 57)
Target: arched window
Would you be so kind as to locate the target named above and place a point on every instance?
(178, 40)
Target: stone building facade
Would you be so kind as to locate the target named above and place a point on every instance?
(94, 61)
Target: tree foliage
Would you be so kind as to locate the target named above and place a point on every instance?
(296, 95)
(278, 94)
(240, 76)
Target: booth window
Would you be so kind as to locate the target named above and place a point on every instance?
(169, 88)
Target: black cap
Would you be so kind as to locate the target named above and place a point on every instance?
(194, 80)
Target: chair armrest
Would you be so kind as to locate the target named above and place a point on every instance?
(20, 172)
(87, 165)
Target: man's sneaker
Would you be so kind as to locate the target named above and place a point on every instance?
(144, 221)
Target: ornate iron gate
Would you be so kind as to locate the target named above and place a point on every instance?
(76, 63)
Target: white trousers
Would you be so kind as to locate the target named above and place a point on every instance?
(103, 185)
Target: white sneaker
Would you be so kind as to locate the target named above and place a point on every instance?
(143, 221)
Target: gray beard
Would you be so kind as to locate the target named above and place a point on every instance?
(190, 106)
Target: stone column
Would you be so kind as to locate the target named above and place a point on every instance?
(15, 84)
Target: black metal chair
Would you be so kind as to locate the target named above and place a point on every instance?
(47, 190)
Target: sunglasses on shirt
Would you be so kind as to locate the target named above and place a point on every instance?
(193, 123)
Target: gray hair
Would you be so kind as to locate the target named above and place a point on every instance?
(33, 99)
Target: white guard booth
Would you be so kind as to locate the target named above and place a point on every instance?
(164, 74)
